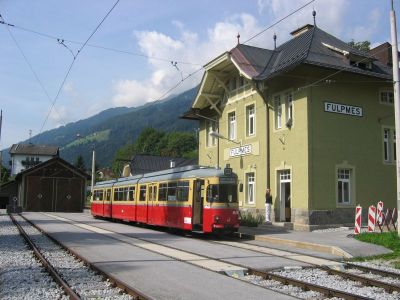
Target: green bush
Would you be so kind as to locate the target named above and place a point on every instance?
(250, 219)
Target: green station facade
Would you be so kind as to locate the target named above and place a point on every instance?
(312, 119)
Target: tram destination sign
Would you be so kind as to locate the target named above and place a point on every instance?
(242, 150)
(343, 109)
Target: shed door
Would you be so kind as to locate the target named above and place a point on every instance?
(39, 193)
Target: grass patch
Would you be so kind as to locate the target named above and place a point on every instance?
(388, 240)
(99, 136)
(250, 220)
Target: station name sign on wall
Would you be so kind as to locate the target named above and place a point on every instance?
(242, 150)
(343, 109)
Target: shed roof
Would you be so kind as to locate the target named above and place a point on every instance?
(52, 161)
(31, 149)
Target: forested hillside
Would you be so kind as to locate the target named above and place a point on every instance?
(113, 128)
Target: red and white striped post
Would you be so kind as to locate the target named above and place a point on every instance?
(357, 226)
(379, 212)
(371, 218)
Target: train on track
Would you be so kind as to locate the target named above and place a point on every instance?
(191, 198)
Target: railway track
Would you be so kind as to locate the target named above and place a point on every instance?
(91, 282)
(327, 291)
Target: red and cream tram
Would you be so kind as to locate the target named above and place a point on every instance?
(191, 198)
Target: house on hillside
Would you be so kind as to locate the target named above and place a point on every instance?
(312, 119)
(25, 156)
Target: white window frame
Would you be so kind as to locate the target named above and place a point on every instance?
(389, 145)
(211, 141)
(344, 177)
(232, 125)
(386, 145)
(289, 107)
(278, 112)
(250, 188)
(386, 96)
(251, 120)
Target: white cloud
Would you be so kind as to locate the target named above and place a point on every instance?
(189, 53)
(188, 47)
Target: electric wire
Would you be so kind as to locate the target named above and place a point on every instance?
(72, 63)
(28, 63)
(49, 36)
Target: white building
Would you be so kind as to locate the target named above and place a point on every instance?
(25, 156)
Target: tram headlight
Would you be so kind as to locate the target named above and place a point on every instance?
(216, 219)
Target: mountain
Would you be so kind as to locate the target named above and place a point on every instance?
(112, 128)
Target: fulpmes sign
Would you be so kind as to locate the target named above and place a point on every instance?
(338, 108)
(242, 150)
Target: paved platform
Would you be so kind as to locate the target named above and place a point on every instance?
(338, 243)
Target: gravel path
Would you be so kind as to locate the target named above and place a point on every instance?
(22, 276)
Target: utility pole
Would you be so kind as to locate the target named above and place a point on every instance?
(396, 86)
(93, 170)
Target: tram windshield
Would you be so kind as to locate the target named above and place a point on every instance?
(222, 193)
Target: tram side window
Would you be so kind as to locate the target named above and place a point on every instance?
(172, 191)
(162, 192)
(131, 193)
(142, 193)
(119, 194)
(125, 194)
(98, 195)
(108, 195)
(183, 191)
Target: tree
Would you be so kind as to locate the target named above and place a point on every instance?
(156, 142)
(5, 176)
(363, 46)
(80, 163)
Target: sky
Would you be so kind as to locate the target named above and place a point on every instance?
(142, 49)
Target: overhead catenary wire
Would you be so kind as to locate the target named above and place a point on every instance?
(27, 62)
(72, 63)
(53, 37)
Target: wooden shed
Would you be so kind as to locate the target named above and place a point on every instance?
(54, 186)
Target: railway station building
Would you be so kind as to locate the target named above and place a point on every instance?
(312, 119)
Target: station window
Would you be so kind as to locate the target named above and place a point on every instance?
(289, 109)
(250, 185)
(142, 193)
(251, 120)
(389, 145)
(211, 126)
(386, 97)
(344, 186)
(278, 112)
(232, 125)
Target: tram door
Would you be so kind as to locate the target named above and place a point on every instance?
(198, 201)
(152, 209)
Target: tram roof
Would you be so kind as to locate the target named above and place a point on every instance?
(164, 175)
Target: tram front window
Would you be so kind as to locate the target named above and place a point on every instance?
(222, 193)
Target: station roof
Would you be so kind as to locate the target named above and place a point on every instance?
(31, 149)
(310, 45)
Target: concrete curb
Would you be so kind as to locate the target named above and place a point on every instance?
(298, 244)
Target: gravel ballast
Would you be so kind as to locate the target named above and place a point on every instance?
(21, 276)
